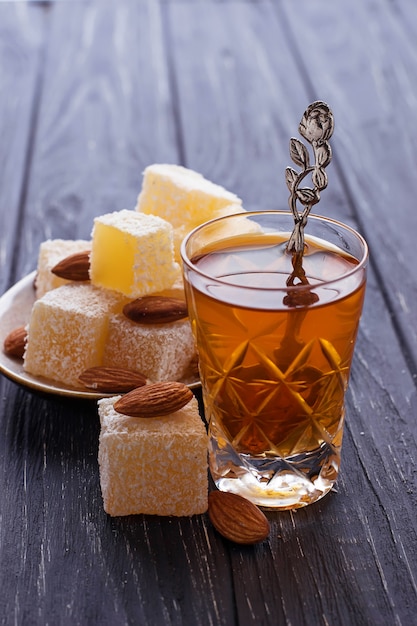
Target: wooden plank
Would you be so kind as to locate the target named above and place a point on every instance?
(235, 138)
(21, 49)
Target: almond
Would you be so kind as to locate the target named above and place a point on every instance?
(111, 379)
(74, 267)
(154, 400)
(236, 518)
(155, 310)
(15, 342)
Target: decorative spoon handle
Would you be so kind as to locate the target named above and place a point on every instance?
(316, 127)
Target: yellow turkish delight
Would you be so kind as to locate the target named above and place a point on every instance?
(132, 253)
(183, 197)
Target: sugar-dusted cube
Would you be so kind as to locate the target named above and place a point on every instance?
(67, 331)
(132, 253)
(160, 351)
(182, 197)
(156, 466)
(52, 252)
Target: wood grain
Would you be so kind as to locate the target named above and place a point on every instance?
(102, 118)
(21, 51)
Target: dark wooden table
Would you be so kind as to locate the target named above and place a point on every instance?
(90, 94)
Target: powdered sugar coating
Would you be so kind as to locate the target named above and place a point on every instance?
(159, 351)
(67, 331)
(181, 196)
(156, 466)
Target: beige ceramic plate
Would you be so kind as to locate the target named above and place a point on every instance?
(15, 308)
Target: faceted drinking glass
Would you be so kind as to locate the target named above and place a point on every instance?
(275, 339)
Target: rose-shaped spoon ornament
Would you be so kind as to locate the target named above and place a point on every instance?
(316, 127)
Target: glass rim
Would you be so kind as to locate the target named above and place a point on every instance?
(362, 262)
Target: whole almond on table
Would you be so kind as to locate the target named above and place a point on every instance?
(112, 379)
(14, 344)
(154, 400)
(236, 518)
(155, 310)
(74, 267)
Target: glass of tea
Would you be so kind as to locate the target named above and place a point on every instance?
(275, 338)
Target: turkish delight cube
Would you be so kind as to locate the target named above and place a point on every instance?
(52, 252)
(132, 253)
(182, 196)
(155, 466)
(160, 351)
(67, 331)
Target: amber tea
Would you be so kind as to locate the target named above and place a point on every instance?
(275, 354)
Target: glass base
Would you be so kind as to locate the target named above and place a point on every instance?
(276, 483)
